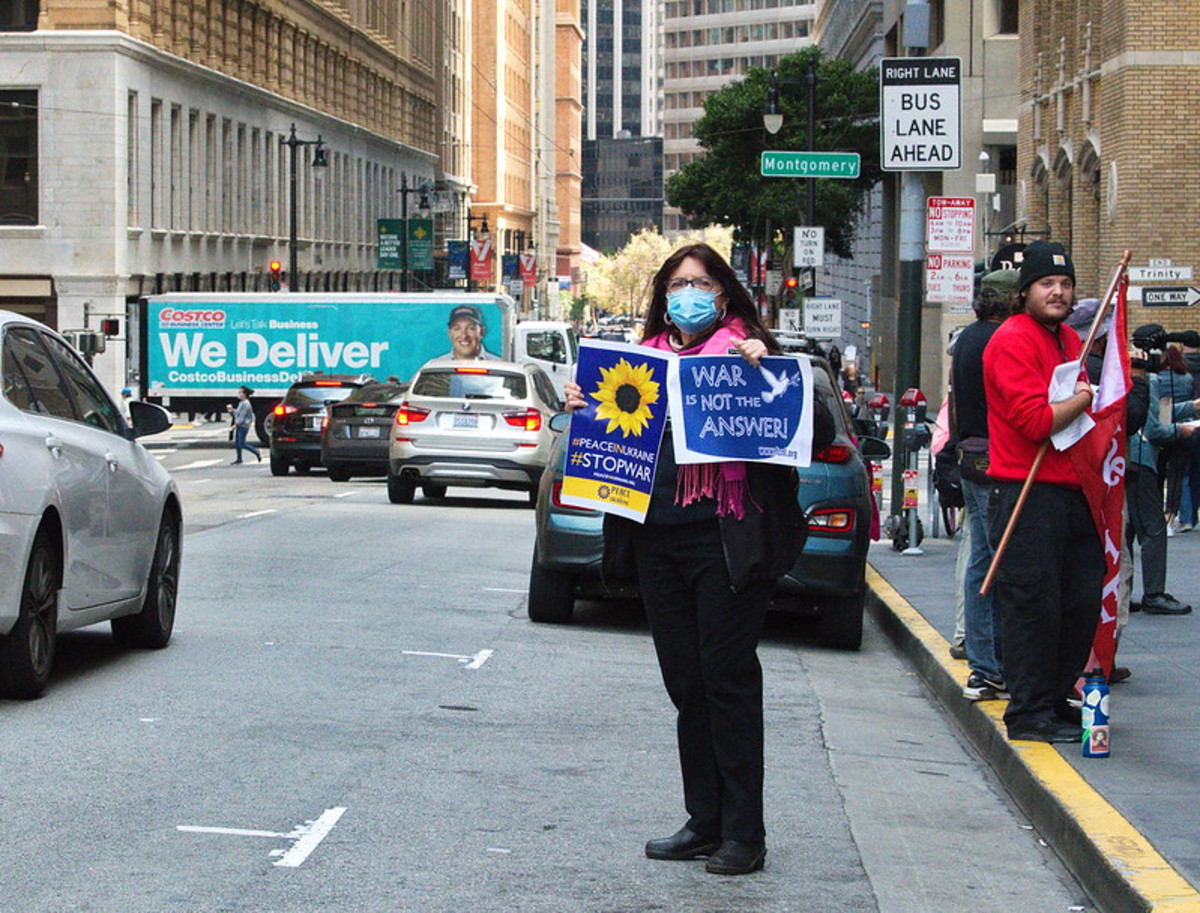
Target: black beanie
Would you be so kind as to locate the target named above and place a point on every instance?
(1044, 258)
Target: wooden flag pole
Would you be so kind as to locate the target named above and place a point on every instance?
(1002, 545)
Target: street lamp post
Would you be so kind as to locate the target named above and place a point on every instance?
(773, 123)
(319, 161)
(423, 203)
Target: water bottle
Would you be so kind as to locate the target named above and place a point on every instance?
(1095, 715)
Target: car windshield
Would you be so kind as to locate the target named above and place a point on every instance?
(377, 393)
(470, 383)
(317, 394)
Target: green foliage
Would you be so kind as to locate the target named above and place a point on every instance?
(724, 185)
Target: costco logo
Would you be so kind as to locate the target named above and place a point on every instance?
(194, 317)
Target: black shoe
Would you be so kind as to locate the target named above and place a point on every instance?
(1119, 674)
(958, 650)
(683, 844)
(1164, 604)
(981, 688)
(258, 456)
(736, 858)
(236, 463)
(1046, 731)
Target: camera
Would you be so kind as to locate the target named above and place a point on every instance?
(1151, 338)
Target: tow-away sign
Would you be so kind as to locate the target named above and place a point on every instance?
(920, 103)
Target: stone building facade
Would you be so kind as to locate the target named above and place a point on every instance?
(143, 149)
(1108, 141)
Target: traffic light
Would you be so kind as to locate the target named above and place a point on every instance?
(110, 326)
(791, 286)
(276, 272)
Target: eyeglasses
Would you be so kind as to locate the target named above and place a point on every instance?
(703, 283)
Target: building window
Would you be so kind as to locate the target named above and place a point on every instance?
(131, 158)
(19, 16)
(18, 157)
(1006, 16)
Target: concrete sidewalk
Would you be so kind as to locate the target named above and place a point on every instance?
(1125, 826)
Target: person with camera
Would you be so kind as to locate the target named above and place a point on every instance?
(1143, 486)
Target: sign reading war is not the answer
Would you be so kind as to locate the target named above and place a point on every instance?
(612, 450)
(728, 409)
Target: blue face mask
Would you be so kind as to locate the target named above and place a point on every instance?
(691, 309)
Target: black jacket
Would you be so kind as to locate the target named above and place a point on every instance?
(764, 544)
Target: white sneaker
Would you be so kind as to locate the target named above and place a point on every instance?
(1185, 527)
(1170, 531)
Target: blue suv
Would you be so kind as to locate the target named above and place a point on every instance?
(828, 579)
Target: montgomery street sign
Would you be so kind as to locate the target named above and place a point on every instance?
(810, 165)
(1171, 296)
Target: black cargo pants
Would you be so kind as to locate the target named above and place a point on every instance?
(1048, 589)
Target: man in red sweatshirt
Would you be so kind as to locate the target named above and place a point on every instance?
(1048, 583)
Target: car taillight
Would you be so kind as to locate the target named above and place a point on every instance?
(834, 453)
(410, 415)
(529, 420)
(832, 520)
(281, 410)
(556, 499)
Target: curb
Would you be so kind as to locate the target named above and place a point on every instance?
(1113, 862)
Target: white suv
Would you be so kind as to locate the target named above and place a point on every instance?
(472, 423)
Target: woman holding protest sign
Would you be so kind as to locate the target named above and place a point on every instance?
(716, 538)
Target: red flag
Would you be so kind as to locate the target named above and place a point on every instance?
(1099, 460)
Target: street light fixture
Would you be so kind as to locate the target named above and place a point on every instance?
(319, 160)
(423, 204)
(773, 123)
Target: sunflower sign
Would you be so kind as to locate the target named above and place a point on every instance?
(728, 409)
(613, 446)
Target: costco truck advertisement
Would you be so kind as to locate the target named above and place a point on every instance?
(214, 347)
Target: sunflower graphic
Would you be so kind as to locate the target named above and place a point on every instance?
(625, 395)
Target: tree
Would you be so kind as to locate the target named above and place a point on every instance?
(620, 283)
(724, 185)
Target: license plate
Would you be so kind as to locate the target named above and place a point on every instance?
(370, 431)
(466, 421)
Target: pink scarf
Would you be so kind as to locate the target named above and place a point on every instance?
(725, 482)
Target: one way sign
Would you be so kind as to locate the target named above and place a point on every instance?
(1172, 296)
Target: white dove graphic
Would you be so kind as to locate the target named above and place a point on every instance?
(778, 384)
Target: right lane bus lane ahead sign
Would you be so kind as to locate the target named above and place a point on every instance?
(920, 123)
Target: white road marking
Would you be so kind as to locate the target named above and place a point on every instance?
(470, 662)
(496, 589)
(232, 831)
(199, 464)
(309, 837)
(346, 494)
(306, 837)
(479, 659)
(257, 513)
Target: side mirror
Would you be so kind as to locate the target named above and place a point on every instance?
(874, 448)
(148, 418)
(560, 421)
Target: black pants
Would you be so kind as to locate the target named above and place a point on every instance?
(706, 637)
(1048, 589)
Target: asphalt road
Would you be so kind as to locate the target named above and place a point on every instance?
(357, 715)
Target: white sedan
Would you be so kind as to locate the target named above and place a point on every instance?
(90, 523)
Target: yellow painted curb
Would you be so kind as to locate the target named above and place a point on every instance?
(1130, 853)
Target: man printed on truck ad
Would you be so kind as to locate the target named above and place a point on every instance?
(466, 332)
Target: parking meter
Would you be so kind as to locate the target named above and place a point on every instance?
(916, 436)
(880, 406)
